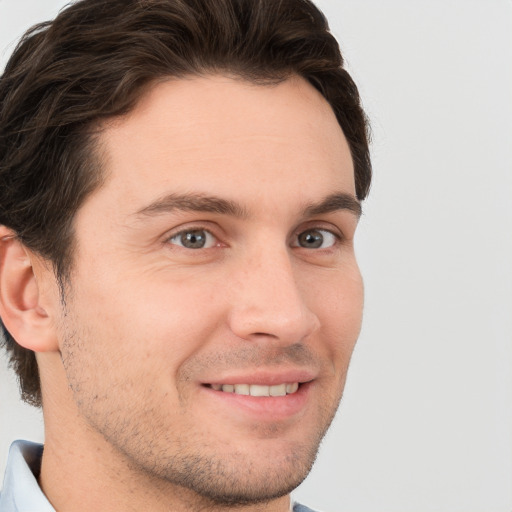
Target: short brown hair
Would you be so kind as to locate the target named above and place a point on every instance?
(94, 62)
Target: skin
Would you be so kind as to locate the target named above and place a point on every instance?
(148, 324)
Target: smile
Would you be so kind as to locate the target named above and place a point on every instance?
(257, 389)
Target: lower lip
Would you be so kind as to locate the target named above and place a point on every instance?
(265, 408)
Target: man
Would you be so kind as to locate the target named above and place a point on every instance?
(180, 183)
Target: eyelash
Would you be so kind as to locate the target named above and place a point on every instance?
(335, 238)
(190, 231)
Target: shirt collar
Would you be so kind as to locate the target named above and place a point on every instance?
(21, 492)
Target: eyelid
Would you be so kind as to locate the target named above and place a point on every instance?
(202, 226)
(332, 231)
(321, 226)
(209, 239)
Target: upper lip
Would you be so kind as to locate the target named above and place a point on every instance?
(265, 377)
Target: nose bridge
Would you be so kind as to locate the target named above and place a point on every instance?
(268, 299)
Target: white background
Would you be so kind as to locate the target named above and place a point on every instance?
(426, 421)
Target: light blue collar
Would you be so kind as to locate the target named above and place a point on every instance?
(21, 492)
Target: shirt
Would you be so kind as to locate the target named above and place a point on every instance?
(21, 492)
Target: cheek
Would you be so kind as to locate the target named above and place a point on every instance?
(148, 319)
(349, 302)
(340, 310)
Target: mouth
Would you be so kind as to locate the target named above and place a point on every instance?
(257, 390)
(262, 397)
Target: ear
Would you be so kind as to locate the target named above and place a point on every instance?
(21, 306)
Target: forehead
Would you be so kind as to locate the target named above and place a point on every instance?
(227, 136)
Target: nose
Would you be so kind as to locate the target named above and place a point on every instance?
(268, 301)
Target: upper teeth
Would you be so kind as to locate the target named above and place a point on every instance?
(257, 390)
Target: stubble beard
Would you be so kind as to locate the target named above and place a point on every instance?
(207, 475)
(208, 479)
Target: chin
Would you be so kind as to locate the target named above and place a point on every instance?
(239, 477)
(238, 483)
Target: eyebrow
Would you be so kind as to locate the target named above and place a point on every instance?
(212, 204)
(193, 202)
(335, 202)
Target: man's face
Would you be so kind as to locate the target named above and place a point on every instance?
(217, 260)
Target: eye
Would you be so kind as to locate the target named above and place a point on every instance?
(316, 239)
(193, 239)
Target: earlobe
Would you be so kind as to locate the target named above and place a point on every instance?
(21, 310)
